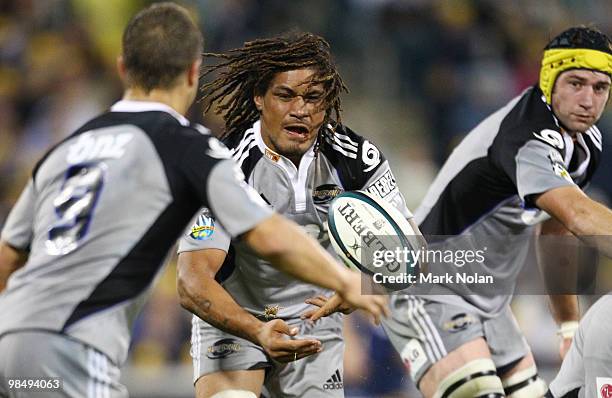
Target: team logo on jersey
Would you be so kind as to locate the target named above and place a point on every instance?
(325, 193)
(558, 167)
(604, 386)
(383, 186)
(271, 311)
(551, 137)
(370, 155)
(204, 226)
(561, 172)
(334, 382)
(459, 322)
(223, 348)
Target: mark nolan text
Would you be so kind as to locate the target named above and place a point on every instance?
(460, 277)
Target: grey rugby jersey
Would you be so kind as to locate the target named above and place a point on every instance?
(484, 194)
(100, 214)
(346, 161)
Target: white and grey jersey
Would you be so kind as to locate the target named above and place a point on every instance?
(345, 161)
(484, 195)
(102, 211)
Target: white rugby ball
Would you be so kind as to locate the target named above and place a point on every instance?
(363, 227)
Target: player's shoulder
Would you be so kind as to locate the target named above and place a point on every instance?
(354, 156)
(339, 140)
(531, 119)
(594, 138)
(244, 149)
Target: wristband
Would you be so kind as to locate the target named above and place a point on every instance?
(568, 329)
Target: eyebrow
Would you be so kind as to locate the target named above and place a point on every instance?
(311, 90)
(586, 79)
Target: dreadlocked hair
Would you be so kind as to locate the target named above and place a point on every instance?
(247, 71)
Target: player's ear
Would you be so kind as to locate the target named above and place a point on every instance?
(193, 74)
(121, 68)
(258, 99)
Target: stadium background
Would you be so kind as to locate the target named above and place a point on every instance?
(421, 74)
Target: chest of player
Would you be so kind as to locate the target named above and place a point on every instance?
(302, 193)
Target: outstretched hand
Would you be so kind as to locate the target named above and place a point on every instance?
(376, 305)
(325, 306)
(273, 338)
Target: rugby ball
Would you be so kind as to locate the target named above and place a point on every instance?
(372, 236)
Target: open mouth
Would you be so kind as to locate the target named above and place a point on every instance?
(298, 130)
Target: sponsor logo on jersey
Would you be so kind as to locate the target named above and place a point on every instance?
(551, 137)
(459, 322)
(325, 193)
(204, 226)
(105, 146)
(370, 156)
(555, 156)
(223, 348)
(413, 356)
(334, 382)
(275, 157)
(383, 186)
(604, 387)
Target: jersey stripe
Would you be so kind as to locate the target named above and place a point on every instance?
(245, 142)
(340, 149)
(345, 138)
(348, 147)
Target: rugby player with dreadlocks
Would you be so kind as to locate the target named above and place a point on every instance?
(280, 99)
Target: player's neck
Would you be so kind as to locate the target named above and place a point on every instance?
(173, 98)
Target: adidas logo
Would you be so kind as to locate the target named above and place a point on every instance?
(334, 382)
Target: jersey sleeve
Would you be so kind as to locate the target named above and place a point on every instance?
(534, 163)
(220, 185)
(383, 185)
(355, 158)
(18, 229)
(204, 232)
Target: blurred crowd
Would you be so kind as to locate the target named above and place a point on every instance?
(421, 74)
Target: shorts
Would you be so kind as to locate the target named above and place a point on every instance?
(425, 331)
(319, 375)
(80, 370)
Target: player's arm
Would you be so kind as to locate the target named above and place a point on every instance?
(243, 214)
(17, 234)
(292, 251)
(587, 219)
(557, 256)
(203, 296)
(11, 259)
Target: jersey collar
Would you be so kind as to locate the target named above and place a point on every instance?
(146, 106)
(274, 156)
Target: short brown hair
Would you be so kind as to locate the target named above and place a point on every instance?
(160, 43)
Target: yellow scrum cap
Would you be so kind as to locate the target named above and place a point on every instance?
(558, 60)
